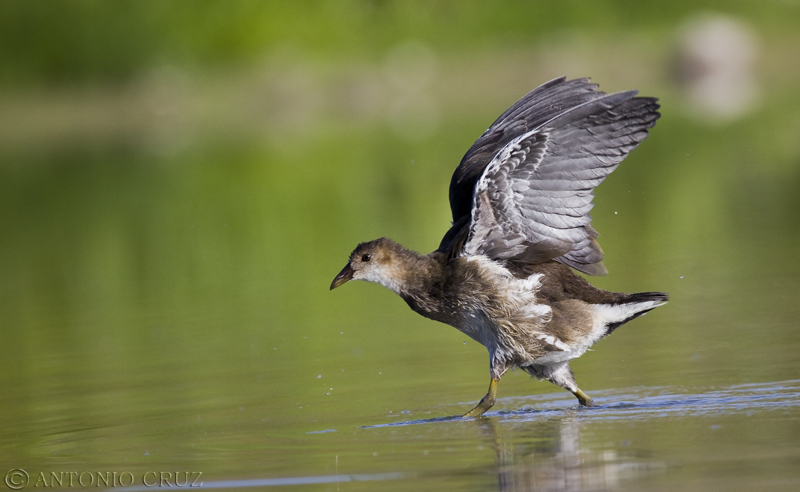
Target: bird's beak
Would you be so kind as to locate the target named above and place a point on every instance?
(345, 275)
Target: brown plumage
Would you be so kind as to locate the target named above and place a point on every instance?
(520, 200)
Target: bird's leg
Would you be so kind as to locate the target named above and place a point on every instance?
(486, 402)
(563, 377)
(497, 367)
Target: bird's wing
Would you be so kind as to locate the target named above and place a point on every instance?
(531, 175)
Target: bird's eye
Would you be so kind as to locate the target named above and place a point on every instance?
(366, 257)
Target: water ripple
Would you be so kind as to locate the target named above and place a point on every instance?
(644, 402)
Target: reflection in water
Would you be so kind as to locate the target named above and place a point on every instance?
(556, 447)
(559, 462)
(547, 445)
(545, 451)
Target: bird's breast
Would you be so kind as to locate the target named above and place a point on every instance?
(489, 302)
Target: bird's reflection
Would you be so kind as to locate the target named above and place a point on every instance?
(548, 455)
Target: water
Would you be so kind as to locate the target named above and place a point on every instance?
(559, 447)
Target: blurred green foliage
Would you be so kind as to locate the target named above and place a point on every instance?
(79, 41)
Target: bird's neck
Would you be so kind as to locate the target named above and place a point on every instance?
(419, 280)
(411, 274)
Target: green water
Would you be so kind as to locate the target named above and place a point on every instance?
(169, 232)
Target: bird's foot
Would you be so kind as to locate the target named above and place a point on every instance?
(584, 399)
(485, 403)
(479, 409)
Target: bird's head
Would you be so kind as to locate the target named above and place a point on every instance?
(377, 261)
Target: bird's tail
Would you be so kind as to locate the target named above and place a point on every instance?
(632, 306)
(645, 297)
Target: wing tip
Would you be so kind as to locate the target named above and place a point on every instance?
(594, 269)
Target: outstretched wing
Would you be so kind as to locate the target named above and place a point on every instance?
(529, 179)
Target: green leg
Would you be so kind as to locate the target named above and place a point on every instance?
(485, 403)
(583, 398)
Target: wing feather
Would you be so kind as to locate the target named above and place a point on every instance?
(524, 190)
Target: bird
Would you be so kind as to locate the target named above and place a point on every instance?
(504, 273)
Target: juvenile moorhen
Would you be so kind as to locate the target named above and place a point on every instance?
(520, 200)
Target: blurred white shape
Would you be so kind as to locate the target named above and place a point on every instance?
(716, 66)
(410, 69)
